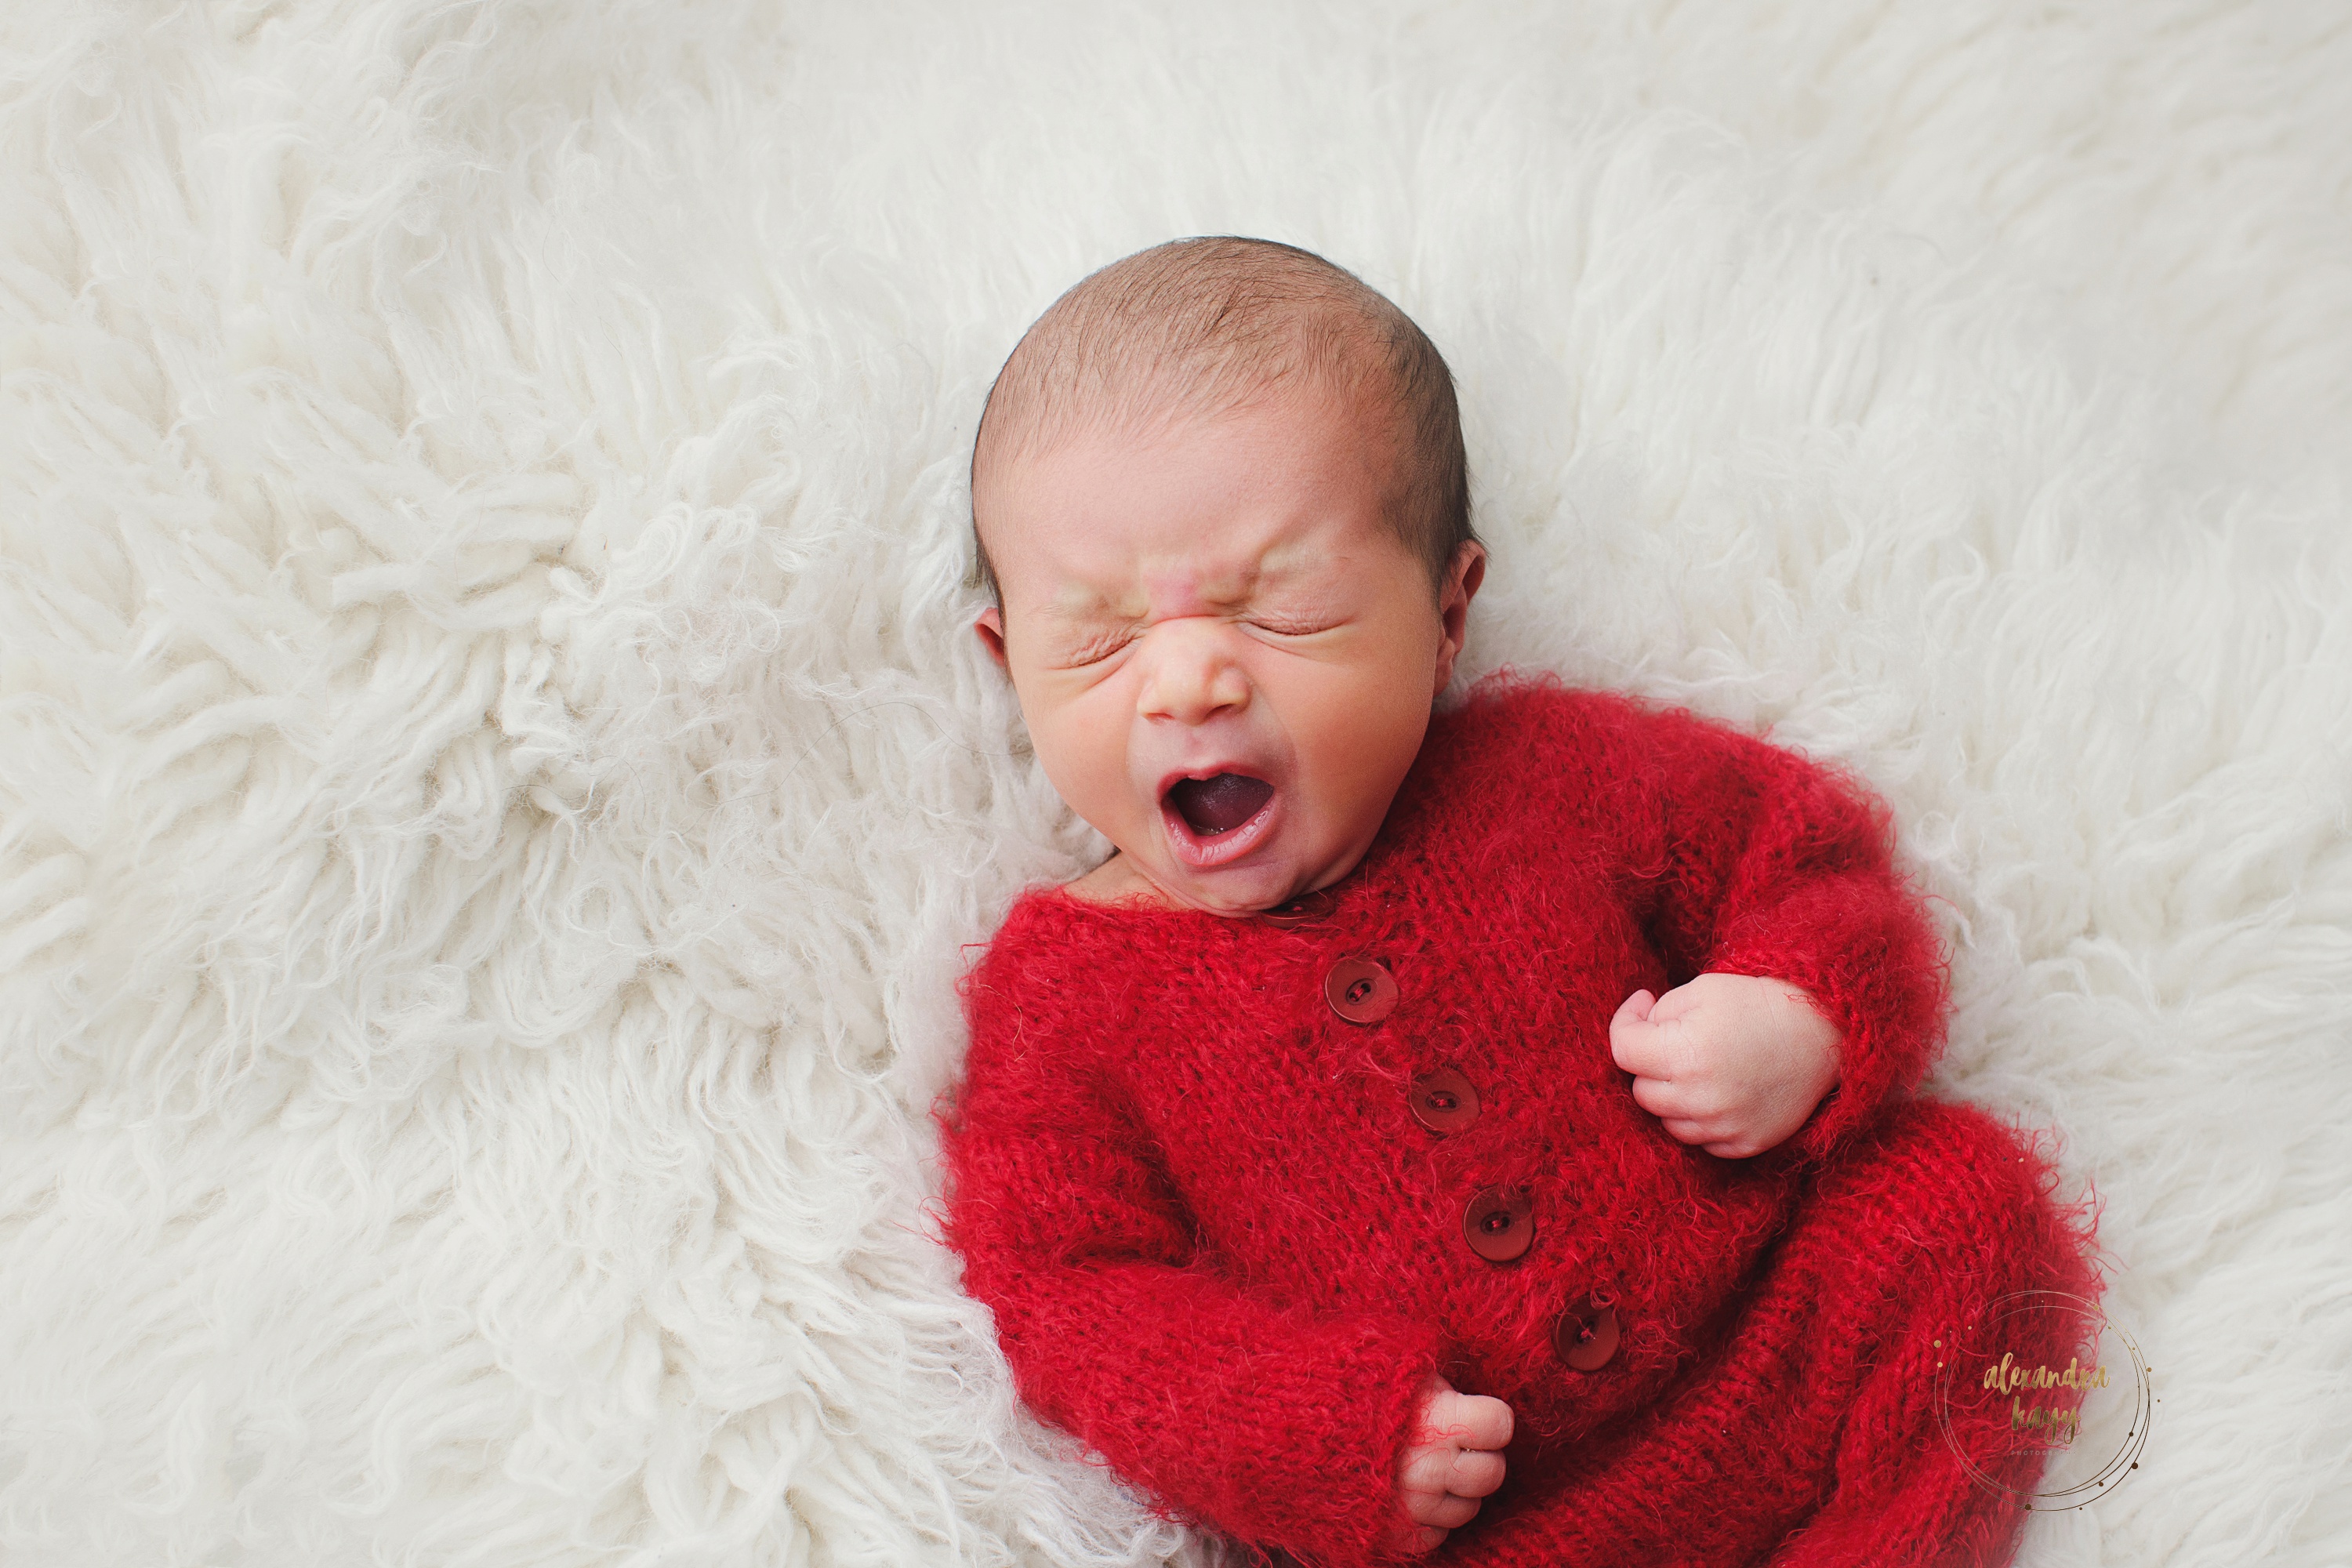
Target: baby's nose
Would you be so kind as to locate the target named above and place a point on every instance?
(1192, 675)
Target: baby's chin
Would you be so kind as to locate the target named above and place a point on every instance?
(1264, 860)
(1232, 898)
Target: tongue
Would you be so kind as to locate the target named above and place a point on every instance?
(1219, 804)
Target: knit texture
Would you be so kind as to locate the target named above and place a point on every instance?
(1221, 1251)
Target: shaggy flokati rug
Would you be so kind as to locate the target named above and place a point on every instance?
(500, 787)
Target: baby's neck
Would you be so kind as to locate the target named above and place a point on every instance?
(1116, 880)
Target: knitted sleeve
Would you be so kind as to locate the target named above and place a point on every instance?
(1282, 1429)
(1774, 866)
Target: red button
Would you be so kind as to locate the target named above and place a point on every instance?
(1499, 1224)
(1443, 1101)
(1586, 1334)
(1360, 991)
(1306, 907)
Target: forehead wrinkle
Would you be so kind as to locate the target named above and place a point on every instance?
(1183, 578)
(1250, 572)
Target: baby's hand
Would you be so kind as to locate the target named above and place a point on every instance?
(1732, 1061)
(1456, 1460)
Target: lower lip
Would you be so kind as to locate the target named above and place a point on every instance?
(1207, 853)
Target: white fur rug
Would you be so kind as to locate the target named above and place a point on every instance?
(498, 785)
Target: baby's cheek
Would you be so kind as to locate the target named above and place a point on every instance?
(1083, 748)
(1359, 736)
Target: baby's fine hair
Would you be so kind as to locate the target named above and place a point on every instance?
(1200, 327)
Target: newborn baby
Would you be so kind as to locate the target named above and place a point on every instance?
(1484, 1133)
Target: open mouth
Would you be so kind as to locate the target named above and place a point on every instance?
(1213, 806)
(1221, 820)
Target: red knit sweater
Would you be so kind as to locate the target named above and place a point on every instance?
(1220, 1246)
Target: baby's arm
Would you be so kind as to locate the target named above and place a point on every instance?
(1772, 869)
(1281, 1426)
(1734, 1062)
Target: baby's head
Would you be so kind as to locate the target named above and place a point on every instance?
(1221, 502)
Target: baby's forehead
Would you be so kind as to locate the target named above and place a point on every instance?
(1226, 551)
(1176, 505)
(1148, 399)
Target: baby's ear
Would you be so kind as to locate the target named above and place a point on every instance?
(991, 627)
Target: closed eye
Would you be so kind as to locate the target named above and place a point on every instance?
(1103, 644)
(1094, 651)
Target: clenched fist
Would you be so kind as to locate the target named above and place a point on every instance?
(1734, 1062)
(1455, 1459)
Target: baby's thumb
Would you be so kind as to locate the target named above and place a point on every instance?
(1630, 1031)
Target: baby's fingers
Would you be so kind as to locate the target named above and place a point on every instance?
(1428, 1475)
(1431, 1475)
(1469, 1420)
(1475, 1473)
(1449, 1513)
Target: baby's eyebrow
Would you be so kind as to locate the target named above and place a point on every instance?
(1067, 625)
(1093, 610)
